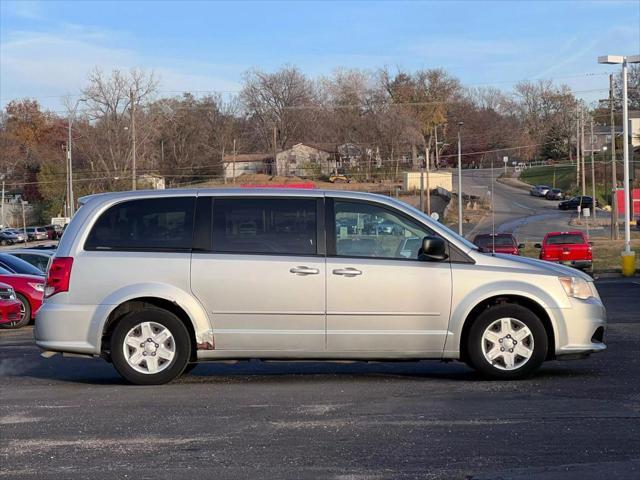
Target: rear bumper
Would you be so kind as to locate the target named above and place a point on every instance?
(66, 328)
(580, 264)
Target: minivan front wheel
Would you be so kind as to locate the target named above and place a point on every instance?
(150, 347)
(507, 342)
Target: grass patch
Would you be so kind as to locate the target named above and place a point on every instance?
(562, 177)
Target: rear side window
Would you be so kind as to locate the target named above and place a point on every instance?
(149, 224)
(564, 239)
(266, 226)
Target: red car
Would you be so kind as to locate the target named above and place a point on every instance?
(29, 290)
(568, 248)
(498, 243)
(9, 305)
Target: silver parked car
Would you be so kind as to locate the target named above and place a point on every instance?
(153, 281)
(539, 190)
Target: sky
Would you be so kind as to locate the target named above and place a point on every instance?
(48, 48)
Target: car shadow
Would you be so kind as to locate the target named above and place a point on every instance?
(96, 372)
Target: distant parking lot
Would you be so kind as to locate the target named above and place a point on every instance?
(74, 418)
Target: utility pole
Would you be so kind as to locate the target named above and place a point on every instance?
(460, 124)
(614, 174)
(577, 146)
(224, 165)
(133, 139)
(437, 154)
(275, 149)
(24, 223)
(428, 161)
(582, 166)
(234, 162)
(593, 173)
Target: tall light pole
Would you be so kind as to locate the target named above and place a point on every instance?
(619, 59)
(70, 200)
(460, 124)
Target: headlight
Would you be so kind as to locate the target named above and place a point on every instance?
(12, 294)
(37, 286)
(577, 287)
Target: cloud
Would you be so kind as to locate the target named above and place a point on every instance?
(29, 10)
(49, 65)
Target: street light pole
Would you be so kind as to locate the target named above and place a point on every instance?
(618, 59)
(460, 124)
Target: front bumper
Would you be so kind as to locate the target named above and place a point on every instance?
(580, 329)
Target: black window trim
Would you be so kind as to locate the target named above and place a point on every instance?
(87, 248)
(453, 251)
(320, 222)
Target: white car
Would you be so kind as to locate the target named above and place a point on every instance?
(155, 280)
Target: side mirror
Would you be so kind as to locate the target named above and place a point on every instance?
(433, 249)
(537, 245)
(521, 245)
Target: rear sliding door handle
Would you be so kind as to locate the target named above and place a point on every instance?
(347, 272)
(302, 270)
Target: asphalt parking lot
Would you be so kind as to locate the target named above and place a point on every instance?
(74, 418)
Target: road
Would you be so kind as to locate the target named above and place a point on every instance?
(74, 419)
(516, 211)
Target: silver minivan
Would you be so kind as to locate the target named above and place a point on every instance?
(156, 281)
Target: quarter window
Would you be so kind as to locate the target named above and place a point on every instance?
(149, 224)
(267, 226)
(365, 230)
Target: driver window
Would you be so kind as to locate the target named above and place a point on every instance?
(365, 230)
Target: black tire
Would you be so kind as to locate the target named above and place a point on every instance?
(475, 356)
(180, 336)
(26, 318)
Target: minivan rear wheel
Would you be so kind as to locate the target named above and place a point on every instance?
(150, 347)
(507, 342)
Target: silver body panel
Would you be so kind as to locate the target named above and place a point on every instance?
(253, 306)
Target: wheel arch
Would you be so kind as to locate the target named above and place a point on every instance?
(516, 299)
(182, 304)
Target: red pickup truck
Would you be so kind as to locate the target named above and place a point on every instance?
(568, 248)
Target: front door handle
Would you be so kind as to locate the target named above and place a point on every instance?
(302, 270)
(347, 272)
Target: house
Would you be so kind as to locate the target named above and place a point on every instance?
(349, 156)
(305, 161)
(602, 133)
(150, 181)
(247, 163)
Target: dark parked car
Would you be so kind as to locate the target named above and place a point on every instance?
(8, 238)
(54, 232)
(554, 194)
(19, 266)
(498, 243)
(37, 257)
(573, 203)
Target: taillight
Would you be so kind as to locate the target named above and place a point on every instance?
(58, 276)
